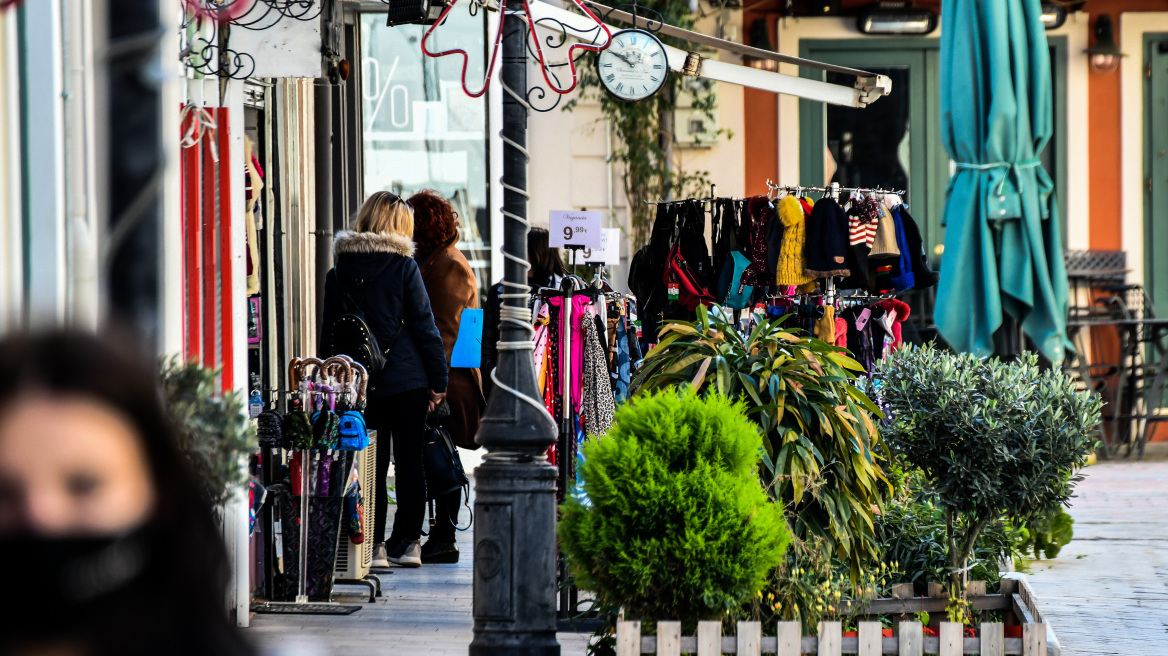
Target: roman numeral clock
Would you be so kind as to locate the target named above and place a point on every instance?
(633, 67)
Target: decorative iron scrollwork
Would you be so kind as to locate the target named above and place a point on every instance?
(205, 21)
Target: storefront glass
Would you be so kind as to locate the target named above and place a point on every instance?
(421, 130)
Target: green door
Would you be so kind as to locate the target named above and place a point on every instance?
(893, 143)
(896, 141)
(1155, 254)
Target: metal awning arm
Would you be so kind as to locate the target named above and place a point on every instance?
(868, 86)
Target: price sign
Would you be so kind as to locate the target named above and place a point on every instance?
(575, 230)
(609, 252)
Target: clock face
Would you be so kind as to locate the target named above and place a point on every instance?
(633, 67)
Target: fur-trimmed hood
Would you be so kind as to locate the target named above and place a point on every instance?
(372, 242)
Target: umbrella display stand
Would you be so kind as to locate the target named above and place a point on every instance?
(313, 559)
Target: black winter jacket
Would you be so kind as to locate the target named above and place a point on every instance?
(417, 359)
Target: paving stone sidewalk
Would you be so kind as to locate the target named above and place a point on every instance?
(1107, 592)
(426, 610)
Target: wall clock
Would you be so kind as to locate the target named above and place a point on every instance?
(633, 67)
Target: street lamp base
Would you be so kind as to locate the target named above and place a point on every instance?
(513, 644)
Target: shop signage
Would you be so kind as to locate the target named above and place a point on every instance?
(609, 251)
(575, 230)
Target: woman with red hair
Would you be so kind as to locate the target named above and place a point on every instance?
(452, 288)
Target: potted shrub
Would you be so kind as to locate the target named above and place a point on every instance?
(671, 521)
(991, 439)
(822, 452)
(213, 429)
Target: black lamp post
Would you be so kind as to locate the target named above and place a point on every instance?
(515, 504)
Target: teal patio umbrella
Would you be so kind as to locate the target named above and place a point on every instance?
(1003, 245)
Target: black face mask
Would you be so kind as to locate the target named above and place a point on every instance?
(74, 587)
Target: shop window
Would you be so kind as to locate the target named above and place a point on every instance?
(421, 131)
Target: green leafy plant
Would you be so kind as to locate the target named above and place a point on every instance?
(811, 586)
(1047, 533)
(671, 521)
(991, 439)
(913, 533)
(645, 131)
(822, 452)
(213, 430)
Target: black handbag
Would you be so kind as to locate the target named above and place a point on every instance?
(444, 473)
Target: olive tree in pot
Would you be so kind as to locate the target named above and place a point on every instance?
(993, 439)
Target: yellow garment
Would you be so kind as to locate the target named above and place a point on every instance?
(791, 262)
(825, 326)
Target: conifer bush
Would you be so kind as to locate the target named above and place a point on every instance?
(672, 521)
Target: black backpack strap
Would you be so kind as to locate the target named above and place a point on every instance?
(356, 305)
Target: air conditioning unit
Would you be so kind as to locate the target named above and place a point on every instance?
(694, 128)
(353, 560)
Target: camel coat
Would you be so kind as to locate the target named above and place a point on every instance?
(452, 288)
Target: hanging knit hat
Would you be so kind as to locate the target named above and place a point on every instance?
(863, 219)
(899, 311)
(791, 264)
(827, 240)
(885, 243)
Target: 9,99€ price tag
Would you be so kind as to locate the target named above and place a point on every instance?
(575, 230)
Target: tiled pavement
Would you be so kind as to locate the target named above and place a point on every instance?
(1107, 592)
(422, 611)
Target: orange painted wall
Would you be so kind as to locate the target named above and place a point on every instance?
(1103, 142)
(761, 124)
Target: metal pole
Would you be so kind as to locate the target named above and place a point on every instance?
(515, 487)
(323, 109)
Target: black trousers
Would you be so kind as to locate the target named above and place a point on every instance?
(401, 420)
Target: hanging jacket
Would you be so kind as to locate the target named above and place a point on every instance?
(597, 407)
(417, 357)
(647, 269)
(923, 275)
(759, 215)
(827, 240)
(452, 288)
(791, 264)
(724, 231)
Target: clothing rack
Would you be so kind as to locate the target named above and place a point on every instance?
(834, 190)
(713, 197)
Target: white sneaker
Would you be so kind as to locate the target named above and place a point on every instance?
(407, 554)
(379, 559)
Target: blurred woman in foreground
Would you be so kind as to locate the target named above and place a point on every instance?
(107, 546)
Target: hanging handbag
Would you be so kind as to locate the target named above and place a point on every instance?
(683, 285)
(325, 424)
(352, 433)
(270, 429)
(444, 472)
(734, 292)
